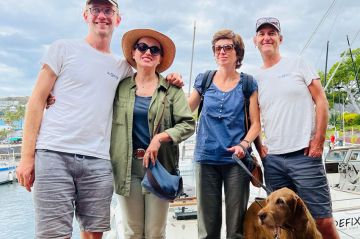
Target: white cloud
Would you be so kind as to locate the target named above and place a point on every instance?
(8, 72)
(26, 33)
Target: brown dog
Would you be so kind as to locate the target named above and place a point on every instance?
(282, 209)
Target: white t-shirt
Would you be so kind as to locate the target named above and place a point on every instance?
(286, 106)
(80, 120)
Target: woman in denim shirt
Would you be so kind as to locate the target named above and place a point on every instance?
(221, 130)
(151, 118)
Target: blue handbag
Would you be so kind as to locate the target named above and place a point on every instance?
(160, 182)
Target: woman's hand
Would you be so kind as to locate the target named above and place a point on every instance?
(237, 150)
(152, 151)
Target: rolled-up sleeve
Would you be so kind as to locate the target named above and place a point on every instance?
(184, 123)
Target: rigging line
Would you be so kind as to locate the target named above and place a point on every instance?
(317, 27)
(341, 61)
(343, 231)
(356, 35)
(330, 33)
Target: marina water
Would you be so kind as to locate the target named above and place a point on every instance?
(17, 215)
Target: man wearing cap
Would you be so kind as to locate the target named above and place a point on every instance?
(65, 152)
(294, 129)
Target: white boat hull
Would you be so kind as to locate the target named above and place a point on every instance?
(7, 174)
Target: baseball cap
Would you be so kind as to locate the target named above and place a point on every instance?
(113, 2)
(268, 21)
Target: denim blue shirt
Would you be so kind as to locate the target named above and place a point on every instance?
(221, 123)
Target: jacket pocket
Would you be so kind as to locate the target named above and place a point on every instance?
(119, 114)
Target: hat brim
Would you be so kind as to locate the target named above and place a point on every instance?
(268, 24)
(110, 1)
(131, 37)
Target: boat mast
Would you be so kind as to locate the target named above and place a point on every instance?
(192, 57)
(326, 61)
(353, 63)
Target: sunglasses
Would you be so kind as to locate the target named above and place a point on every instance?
(271, 20)
(143, 47)
(226, 48)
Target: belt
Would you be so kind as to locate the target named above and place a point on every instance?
(291, 154)
(139, 153)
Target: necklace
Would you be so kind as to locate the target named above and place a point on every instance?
(145, 87)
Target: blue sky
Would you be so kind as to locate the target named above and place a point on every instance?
(27, 27)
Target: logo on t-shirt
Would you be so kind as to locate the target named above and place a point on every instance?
(284, 75)
(112, 75)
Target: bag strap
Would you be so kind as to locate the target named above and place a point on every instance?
(205, 84)
(157, 128)
(247, 81)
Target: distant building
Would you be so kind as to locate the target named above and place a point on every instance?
(5, 104)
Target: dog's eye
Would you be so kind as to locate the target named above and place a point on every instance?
(280, 201)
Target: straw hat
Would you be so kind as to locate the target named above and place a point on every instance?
(168, 47)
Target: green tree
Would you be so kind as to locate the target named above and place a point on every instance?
(345, 75)
(344, 79)
(11, 116)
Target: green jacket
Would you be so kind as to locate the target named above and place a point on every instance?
(177, 121)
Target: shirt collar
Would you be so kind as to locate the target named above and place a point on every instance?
(163, 83)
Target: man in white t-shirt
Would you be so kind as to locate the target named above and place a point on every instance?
(65, 152)
(294, 113)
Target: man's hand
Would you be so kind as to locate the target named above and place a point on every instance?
(315, 148)
(175, 79)
(263, 151)
(25, 173)
(50, 101)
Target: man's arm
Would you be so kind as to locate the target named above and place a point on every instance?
(33, 116)
(316, 144)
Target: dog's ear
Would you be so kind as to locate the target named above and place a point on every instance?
(300, 210)
(292, 203)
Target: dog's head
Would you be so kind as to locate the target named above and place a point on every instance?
(282, 206)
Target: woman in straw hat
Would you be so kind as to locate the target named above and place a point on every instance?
(150, 119)
(221, 133)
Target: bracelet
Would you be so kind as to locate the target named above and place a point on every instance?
(246, 141)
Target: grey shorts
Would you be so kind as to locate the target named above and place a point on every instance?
(67, 183)
(304, 175)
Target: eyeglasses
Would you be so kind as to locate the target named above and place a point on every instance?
(271, 20)
(226, 48)
(108, 11)
(143, 47)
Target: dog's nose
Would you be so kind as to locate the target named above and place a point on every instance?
(262, 216)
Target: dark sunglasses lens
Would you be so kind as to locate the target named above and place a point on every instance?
(154, 50)
(141, 47)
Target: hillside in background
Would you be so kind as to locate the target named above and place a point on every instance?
(22, 99)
